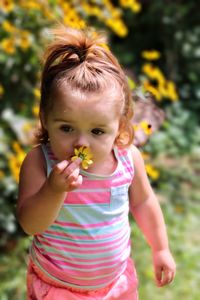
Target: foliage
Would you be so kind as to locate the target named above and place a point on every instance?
(157, 43)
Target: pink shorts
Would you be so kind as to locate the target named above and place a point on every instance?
(39, 287)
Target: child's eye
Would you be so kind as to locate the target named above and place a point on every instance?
(66, 128)
(97, 131)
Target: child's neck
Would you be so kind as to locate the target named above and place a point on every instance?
(106, 167)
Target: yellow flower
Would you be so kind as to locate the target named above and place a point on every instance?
(152, 172)
(15, 160)
(2, 174)
(7, 5)
(31, 4)
(172, 91)
(133, 4)
(105, 46)
(8, 45)
(136, 7)
(1, 90)
(146, 127)
(153, 72)
(37, 93)
(117, 26)
(8, 27)
(85, 154)
(153, 90)
(131, 83)
(35, 110)
(151, 54)
(24, 41)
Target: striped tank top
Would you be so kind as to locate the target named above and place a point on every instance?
(88, 245)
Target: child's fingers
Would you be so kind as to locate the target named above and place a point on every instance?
(61, 166)
(164, 277)
(66, 167)
(158, 275)
(70, 168)
(76, 183)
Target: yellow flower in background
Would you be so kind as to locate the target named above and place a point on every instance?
(31, 4)
(85, 154)
(1, 90)
(37, 93)
(151, 54)
(2, 174)
(24, 40)
(131, 83)
(6, 5)
(147, 128)
(136, 127)
(172, 91)
(164, 88)
(152, 172)
(35, 110)
(145, 155)
(117, 26)
(8, 27)
(132, 4)
(105, 46)
(136, 7)
(8, 45)
(15, 160)
(153, 90)
(153, 72)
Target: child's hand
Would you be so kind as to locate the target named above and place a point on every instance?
(164, 267)
(65, 176)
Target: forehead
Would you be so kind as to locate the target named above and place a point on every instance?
(111, 97)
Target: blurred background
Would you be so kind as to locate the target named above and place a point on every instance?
(158, 44)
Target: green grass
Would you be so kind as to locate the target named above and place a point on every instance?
(183, 232)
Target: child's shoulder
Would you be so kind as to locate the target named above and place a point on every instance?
(34, 157)
(135, 152)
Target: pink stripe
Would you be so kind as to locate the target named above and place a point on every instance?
(95, 184)
(88, 198)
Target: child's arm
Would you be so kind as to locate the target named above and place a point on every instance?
(148, 215)
(40, 198)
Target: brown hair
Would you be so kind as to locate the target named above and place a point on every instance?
(83, 60)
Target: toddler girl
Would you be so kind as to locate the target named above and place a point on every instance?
(79, 217)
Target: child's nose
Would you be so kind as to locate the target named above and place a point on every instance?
(81, 141)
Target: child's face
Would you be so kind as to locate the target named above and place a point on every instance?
(89, 119)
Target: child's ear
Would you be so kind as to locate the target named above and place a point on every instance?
(119, 138)
(123, 136)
